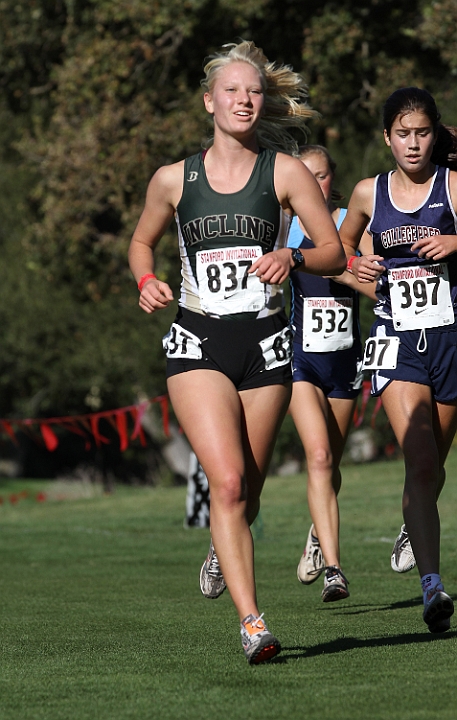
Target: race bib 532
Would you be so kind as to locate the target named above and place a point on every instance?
(327, 324)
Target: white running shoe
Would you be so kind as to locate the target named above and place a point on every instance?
(311, 563)
(335, 585)
(402, 559)
(212, 583)
(258, 642)
(438, 608)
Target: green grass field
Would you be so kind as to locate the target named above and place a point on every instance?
(102, 615)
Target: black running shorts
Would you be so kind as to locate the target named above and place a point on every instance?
(251, 353)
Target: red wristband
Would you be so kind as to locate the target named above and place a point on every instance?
(350, 263)
(143, 280)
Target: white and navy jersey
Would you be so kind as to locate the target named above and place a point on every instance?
(394, 230)
(319, 305)
(222, 234)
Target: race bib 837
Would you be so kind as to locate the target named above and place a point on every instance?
(224, 283)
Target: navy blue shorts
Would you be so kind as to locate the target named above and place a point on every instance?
(435, 367)
(338, 374)
(251, 353)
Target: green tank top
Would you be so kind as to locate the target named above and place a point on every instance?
(221, 235)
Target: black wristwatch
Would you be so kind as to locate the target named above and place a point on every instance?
(297, 257)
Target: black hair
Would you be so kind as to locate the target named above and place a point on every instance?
(408, 100)
(414, 99)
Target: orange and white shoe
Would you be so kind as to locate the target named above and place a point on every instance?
(258, 642)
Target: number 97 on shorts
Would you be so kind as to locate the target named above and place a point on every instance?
(381, 353)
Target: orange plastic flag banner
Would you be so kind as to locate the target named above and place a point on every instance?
(9, 431)
(121, 424)
(74, 428)
(138, 413)
(87, 425)
(50, 438)
(111, 419)
(99, 439)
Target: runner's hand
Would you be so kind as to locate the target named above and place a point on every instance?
(155, 295)
(274, 267)
(366, 268)
(435, 247)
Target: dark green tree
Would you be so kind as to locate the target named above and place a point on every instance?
(95, 96)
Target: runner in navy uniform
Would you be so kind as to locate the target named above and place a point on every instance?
(229, 349)
(327, 378)
(412, 219)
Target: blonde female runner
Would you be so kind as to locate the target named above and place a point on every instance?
(229, 348)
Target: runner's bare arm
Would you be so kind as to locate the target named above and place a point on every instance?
(298, 192)
(162, 196)
(365, 268)
(349, 279)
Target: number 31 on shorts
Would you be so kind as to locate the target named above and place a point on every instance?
(381, 353)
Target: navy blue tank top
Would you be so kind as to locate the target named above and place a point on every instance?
(394, 231)
(305, 286)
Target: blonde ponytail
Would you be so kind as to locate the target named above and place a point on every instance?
(286, 95)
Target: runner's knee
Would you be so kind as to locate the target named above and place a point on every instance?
(319, 460)
(229, 491)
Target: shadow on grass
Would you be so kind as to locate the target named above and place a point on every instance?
(374, 607)
(351, 643)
